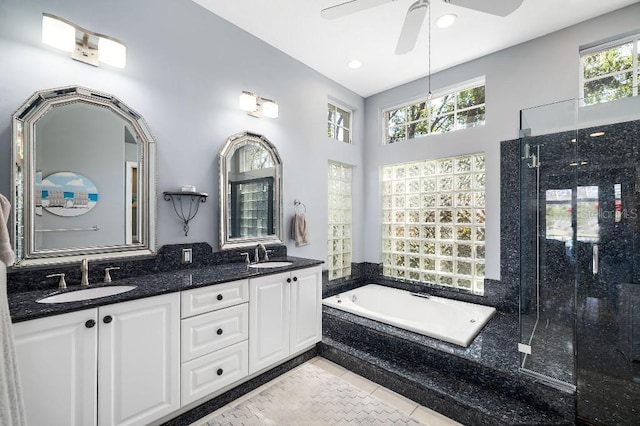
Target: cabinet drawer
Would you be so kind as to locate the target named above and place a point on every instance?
(207, 299)
(209, 332)
(207, 374)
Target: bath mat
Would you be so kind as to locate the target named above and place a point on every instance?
(311, 396)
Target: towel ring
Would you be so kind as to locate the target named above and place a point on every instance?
(298, 203)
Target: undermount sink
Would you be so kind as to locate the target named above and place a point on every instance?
(269, 264)
(86, 294)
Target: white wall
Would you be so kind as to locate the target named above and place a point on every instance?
(185, 70)
(538, 72)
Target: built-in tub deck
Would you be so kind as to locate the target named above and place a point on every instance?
(477, 385)
(492, 348)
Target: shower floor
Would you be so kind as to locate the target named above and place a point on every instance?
(552, 349)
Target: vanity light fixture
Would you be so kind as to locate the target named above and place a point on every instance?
(257, 106)
(84, 45)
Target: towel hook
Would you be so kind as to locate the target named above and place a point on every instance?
(298, 203)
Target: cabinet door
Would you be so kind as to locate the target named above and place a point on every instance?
(268, 320)
(139, 360)
(57, 361)
(306, 308)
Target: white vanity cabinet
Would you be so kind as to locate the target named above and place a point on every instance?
(285, 315)
(113, 365)
(214, 329)
(57, 360)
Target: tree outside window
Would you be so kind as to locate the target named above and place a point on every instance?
(460, 109)
(612, 72)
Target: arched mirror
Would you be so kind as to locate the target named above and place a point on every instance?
(250, 191)
(84, 174)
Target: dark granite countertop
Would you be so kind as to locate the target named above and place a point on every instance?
(23, 306)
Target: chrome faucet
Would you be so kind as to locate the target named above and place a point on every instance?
(84, 268)
(257, 252)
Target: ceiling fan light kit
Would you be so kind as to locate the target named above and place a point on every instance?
(445, 21)
(416, 13)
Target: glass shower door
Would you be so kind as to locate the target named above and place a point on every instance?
(548, 241)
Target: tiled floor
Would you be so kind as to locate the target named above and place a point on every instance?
(284, 400)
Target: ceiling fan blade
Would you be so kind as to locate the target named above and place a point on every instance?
(350, 7)
(493, 7)
(411, 27)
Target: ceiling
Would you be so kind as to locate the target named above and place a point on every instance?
(296, 28)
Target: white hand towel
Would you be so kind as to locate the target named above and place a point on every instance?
(299, 231)
(11, 404)
(6, 252)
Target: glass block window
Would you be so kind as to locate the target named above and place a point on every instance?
(252, 199)
(339, 122)
(456, 109)
(433, 221)
(339, 232)
(610, 71)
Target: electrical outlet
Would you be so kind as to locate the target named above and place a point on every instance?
(187, 256)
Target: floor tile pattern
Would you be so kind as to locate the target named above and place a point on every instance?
(311, 395)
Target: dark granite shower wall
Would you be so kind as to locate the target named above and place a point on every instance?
(588, 321)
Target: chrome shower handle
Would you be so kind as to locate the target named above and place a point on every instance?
(595, 260)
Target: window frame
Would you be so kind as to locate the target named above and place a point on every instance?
(336, 126)
(601, 47)
(454, 89)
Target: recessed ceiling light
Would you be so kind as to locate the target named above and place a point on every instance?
(596, 134)
(446, 21)
(354, 64)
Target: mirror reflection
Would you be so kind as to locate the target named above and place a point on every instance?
(83, 173)
(250, 192)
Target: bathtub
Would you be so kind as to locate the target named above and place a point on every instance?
(445, 319)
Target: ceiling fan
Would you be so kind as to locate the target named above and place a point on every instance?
(417, 11)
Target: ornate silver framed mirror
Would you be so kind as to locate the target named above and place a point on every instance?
(84, 176)
(250, 192)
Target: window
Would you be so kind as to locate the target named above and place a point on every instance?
(457, 109)
(339, 122)
(559, 213)
(433, 221)
(339, 235)
(611, 71)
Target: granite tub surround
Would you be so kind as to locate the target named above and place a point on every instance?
(361, 274)
(478, 385)
(496, 293)
(23, 305)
